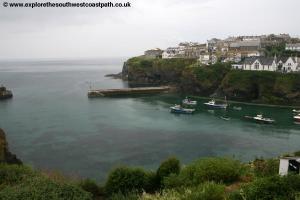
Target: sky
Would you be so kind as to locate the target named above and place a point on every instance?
(27, 33)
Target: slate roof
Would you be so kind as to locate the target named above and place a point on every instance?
(262, 60)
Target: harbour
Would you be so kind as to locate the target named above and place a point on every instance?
(87, 137)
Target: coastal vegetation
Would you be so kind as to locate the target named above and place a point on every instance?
(218, 80)
(218, 178)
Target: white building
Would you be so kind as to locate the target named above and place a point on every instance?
(208, 59)
(291, 64)
(293, 47)
(257, 64)
(289, 164)
(153, 53)
(171, 52)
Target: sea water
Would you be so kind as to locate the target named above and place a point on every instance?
(52, 125)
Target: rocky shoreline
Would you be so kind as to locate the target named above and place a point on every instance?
(5, 155)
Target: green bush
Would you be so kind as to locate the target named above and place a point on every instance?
(120, 196)
(206, 191)
(126, 180)
(168, 167)
(13, 174)
(225, 170)
(40, 187)
(267, 167)
(273, 187)
(235, 195)
(90, 186)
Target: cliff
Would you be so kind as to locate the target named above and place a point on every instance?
(217, 80)
(5, 155)
(154, 71)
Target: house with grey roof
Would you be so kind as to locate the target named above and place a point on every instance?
(292, 64)
(257, 64)
(285, 65)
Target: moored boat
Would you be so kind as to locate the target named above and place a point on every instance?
(225, 118)
(297, 119)
(180, 110)
(296, 111)
(212, 103)
(237, 108)
(189, 102)
(261, 119)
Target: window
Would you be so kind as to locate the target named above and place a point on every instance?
(256, 66)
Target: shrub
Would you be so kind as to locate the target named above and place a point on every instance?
(235, 195)
(40, 187)
(267, 167)
(120, 196)
(13, 174)
(297, 153)
(126, 180)
(219, 170)
(206, 191)
(273, 187)
(168, 167)
(90, 186)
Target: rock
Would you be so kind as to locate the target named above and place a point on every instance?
(4, 93)
(5, 155)
(116, 76)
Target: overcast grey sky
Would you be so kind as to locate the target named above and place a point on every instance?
(118, 32)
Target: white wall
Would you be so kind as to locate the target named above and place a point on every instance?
(283, 167)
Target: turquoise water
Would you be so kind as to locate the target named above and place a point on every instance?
(51, 124)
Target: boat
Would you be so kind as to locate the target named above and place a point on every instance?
(212, 103)
(261, 119)
(296, 111)
(297, 119)
(225, 118)
(237, 108)
(188, 102)
(180, 110)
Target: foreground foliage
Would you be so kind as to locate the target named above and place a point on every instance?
(20, 182)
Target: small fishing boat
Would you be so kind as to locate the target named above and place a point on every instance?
(212, 103)
(261, 119)
(180, 110)
(237, 108)
(297, 119)
(296, 111)
(189, 102)
(225, 118)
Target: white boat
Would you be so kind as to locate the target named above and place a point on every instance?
(225, 118)
(237, 108)
(297, 119)
(188, 102)
(296, 111)
(261, 119)
(212, 103)
(180, 110)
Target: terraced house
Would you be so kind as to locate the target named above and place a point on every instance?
(285, 65)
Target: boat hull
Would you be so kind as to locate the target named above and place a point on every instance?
(221, 106)
(182, 111)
